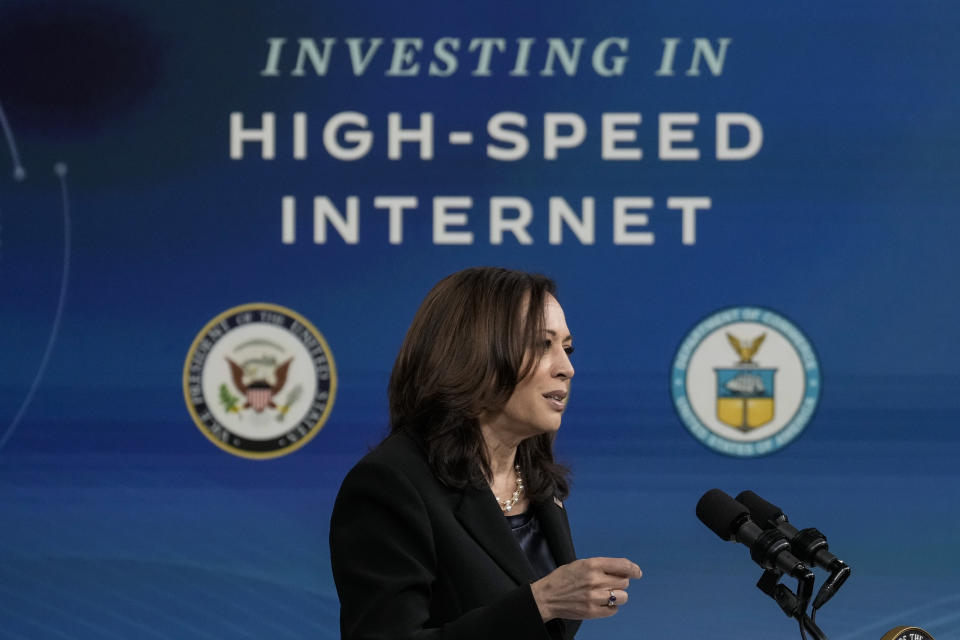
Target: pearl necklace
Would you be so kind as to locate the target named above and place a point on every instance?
(507, 505)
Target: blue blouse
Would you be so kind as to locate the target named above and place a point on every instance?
(526, 529)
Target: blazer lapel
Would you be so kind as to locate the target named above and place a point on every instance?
(479, 514)
(556, 529)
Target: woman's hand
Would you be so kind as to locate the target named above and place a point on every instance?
(583, 588)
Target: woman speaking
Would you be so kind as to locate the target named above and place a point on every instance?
(453, 527)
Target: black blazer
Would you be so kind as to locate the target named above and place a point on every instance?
(413, 559)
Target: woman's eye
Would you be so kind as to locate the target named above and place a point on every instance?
(568, 349)
(547, 344)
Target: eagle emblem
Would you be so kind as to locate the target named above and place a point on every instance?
(259, 380)
(259, 391)
(745, 351)
(756, 403)
(745, 391)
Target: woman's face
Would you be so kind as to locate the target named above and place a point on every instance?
(538, 401)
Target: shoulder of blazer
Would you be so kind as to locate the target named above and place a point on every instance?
(398, 466)
(474, 508)
(402, 454)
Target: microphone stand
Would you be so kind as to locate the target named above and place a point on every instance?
(790, 603)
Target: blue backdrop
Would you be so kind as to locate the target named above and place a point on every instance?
(126, 225)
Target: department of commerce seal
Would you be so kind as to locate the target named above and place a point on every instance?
(259, 381)
(745, 381)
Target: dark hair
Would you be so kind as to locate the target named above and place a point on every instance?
(463, 355)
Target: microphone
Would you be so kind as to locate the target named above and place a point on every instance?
(769, 548)
(809, 545)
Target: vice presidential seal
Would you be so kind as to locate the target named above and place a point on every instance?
(745, 381)
(907, 633)
(259, 381)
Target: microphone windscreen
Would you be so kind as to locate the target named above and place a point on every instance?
(721, 513)
(760, 509)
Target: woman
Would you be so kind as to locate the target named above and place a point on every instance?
(453, 527)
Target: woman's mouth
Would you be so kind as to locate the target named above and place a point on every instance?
(557, 399)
